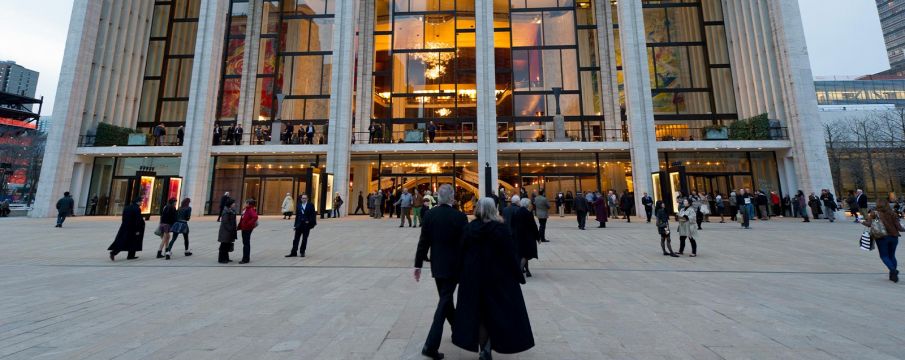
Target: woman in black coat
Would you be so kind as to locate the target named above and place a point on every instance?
(131, 232)
(228, 232)
(525, 234)
(491, 311)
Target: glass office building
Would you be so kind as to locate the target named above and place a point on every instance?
(261, 98)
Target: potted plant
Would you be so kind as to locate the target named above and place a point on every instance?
(716, 132)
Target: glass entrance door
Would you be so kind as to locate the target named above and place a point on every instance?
(120, 191)
(251, 189)
(275, 189)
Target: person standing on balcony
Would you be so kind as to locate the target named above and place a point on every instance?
(259, 135)
(238, 135)
(431, 131)
(180, 134)
(230, 134)
(218, 134)
(285, 136)
(309, 134)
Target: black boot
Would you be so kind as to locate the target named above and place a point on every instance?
(159, 254)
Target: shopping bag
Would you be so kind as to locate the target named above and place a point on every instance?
(867, 244)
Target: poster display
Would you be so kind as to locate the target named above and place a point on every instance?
(175, 190)
(146, 190)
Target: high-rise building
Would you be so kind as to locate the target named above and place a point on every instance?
(892, 18)
(16, 79)
(351, 97)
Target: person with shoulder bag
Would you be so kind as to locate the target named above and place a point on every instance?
(885, 230)
(167, 219)
(663, 228)
(227, 233)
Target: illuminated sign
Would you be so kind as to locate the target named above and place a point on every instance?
(175, 189)
(146, 191)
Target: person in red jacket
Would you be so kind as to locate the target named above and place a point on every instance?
(247, 223)
(775, 201)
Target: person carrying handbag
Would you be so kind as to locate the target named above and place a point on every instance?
(247, 223)
(663, 229)
(885, 230)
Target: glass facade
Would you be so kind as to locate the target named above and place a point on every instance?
(424, 71)
(688, 57)
(264, 178)
(723, 172)
(568, 173)
(168, 68)
(114, 182)
(860, 92)
(547, 60)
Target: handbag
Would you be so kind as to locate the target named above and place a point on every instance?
(158, 231)
(877, 229)
(867, 242)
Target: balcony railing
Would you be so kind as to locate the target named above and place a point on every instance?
(137, 139)
(414, 136)
(590, 134)
(264, 139)
(667, 133)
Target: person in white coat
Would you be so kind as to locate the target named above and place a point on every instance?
(688, 227)
(287, 207)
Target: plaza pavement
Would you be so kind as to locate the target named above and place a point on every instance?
(784, 290)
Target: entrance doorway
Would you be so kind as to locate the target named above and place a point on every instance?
(554, 184)
(270, 192)
(718, 184)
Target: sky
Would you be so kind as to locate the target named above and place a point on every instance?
(844, 38)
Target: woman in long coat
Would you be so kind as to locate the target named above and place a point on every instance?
(688, 227)
(228, 231)
(528, 234)
(131, 232)
(288, 207)
(602, 210)
(491, 311)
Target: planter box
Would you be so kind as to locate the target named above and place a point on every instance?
(716, 134)
(137, 139)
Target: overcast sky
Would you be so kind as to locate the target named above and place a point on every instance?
(844, 38)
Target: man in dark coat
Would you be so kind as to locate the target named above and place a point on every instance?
(489, 292)
(525, 234)
(223, 200)
(65, 207)
(861, 202)
(580, 205)
(131, 232)
(441, 233)
(627, 203)
(509, 211)
(648, 203)
(305, 220)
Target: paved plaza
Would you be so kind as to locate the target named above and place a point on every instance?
(782, 290)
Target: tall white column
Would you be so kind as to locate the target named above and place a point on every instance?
(246, 106)
(340, 123)
(606, 47)
(486, 86)
(364, 88)
(812, 167)
(59, 153)
(638, 102)
(202, 107)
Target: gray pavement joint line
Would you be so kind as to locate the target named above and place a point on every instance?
(768, 272)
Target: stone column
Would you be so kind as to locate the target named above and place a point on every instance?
(638, 101)
(812, 168)
(202, 107)
(364, 89)
(59, 153)
(340, 124)
(486, 86)
(606, 48)
(246, 109)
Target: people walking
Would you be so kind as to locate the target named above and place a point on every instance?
(733, 206)
(131, 232)
(829, 204)
(491, 314)
(417, 204)
(524, 233)
(542, 211)
(65, 207)
(860, 204)
(361, 204)
(305, 220)
(687, 229)
(627, 205)
(181, 226)
(405, 207)
(287, 207)
(802, 205)
(92, 205)
(580, 205)
(886, 236)
(663, 229)
(223, 200)
(247, 223)
(227, 233)
(337, 205)
(441, 233)
(167, 219)
(745, 207)
(648, 203)
(602, 210)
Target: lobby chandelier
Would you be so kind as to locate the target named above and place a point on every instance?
(435, 61)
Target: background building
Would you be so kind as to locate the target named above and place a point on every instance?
(892, 18)
(16, 79)
(354, 96)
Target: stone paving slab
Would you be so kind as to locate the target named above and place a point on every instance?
(783, 290)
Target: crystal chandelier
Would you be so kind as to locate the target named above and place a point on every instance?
(435, 61)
